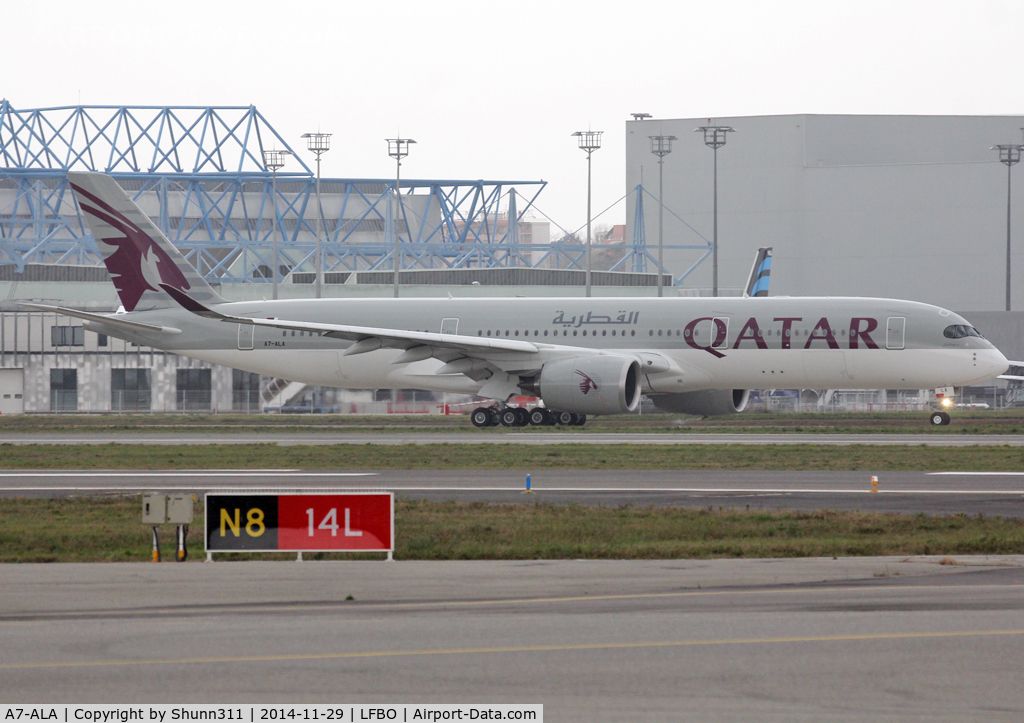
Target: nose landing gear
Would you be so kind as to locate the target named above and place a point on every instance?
(939, 419)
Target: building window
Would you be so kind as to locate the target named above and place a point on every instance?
(101, 340)
(245, 391)
(63, 390)
(194, 390)
(130, 390)
(67, 335)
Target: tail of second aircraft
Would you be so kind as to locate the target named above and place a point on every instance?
(757, 284)
(137, 255)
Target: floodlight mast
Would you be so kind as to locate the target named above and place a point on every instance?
(274, 160)
(319, 143)
(1009, 154)
(398, 148)
(589, 141)
(714, 138)
(661, 146)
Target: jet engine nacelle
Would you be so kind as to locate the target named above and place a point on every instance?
(707, 403)
(606, 384)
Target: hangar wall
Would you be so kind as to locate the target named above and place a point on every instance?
(912, 207)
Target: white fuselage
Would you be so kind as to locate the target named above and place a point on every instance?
(695, 344)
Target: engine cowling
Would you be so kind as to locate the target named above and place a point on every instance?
(606, 384)
(706, 403)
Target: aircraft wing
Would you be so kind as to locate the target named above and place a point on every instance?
(111, 321)
(370, 338)
(1013, 377)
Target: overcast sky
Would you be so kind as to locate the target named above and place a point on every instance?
(494, 89)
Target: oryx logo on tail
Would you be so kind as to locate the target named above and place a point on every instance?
(137, 264)
(587, 384)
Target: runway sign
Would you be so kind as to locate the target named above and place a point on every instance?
(265, 522)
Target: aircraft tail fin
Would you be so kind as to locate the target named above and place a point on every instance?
(757, 284)
(138, 256)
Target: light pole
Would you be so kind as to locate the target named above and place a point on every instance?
(398, 148)
(714, 138)
(661, 146)
(589, 141)
(1010, 155)
(319, 143)
(274, 160)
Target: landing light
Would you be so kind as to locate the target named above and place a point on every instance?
(947, 402)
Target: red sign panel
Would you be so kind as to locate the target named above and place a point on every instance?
(334, 522)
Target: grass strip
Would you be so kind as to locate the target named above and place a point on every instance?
(965, 422)
(108, 529)
(1002, 458)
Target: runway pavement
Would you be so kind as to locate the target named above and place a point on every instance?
(865, 639)
(906, 492)
(512, 437)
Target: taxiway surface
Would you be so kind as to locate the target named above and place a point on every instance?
(905, 492)
(865, 639)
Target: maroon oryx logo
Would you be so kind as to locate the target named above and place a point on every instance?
(587, 384)
(137, 264)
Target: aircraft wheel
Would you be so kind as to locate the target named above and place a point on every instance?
(939, 419)
(564, 418)
(509, 418)
(522, 417)
(481, 417)
(580, 420)
(495, 417)
(538, 417)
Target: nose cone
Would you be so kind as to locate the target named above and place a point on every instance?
(992, 362)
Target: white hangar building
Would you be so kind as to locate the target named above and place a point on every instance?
(912, 207)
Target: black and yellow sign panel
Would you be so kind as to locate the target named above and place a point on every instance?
(241, 522)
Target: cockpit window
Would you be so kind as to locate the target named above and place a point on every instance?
(959, 331)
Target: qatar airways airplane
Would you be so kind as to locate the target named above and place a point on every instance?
(579, 355)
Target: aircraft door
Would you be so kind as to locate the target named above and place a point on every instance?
(895, 329)
(449, 326)
(245, 336)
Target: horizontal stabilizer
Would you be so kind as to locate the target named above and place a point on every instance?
(111, 321)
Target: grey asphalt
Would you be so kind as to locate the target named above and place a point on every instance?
(513, 437)
(865, 639)
(905, 492)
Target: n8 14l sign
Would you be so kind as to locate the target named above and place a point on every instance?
(255, 522)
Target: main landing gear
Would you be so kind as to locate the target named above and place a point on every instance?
(521, 417)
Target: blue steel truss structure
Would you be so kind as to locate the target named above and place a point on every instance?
(199, 173)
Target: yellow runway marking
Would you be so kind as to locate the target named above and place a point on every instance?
(510, 649)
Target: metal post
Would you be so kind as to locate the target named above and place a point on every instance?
(398, 214)
(714, 241)
(277, 228)
(589, 244)
(274, 160)
(319, 143)
(661, 146)
(319, 232)
(1009, 154)
(714, 138)
(589, 141)
(661, 225)
(398, 148)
